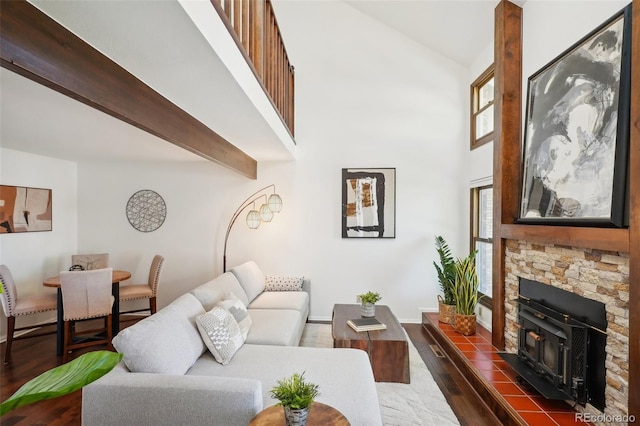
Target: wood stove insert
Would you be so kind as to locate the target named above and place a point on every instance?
(561, 344)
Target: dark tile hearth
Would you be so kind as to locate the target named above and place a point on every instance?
(512, 401)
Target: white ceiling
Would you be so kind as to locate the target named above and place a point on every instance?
(36, 119)
(457, 29)
(182, 66)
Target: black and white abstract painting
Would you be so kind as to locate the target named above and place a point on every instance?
(368, 203)
(576, 134)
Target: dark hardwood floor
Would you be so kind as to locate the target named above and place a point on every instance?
(34, 356)
(464, 401)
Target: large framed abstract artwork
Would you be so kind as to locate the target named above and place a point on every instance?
(577, 132)
(24, 209)
(369, 203)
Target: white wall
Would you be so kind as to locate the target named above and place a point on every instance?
(34, 256)
(366, 96)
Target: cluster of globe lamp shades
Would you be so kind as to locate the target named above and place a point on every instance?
(265, 214)
(272, 204)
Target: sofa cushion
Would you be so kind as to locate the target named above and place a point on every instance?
(251, 279)
(283, 283)
(296, 300)
(213, 291)
(239, 311)
(221, 333)
(275, 327)
(344, 375)
(167, 342)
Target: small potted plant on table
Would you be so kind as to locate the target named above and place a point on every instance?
(295, 395)
(368, 301)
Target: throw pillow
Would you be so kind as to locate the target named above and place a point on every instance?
(221, 334)
(235, 306)
(284, 284)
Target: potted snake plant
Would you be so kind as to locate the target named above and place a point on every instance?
(446, 277)
(296, 396)
(466, 294)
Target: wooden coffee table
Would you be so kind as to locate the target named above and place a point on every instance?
(388, 349)
(319, 415)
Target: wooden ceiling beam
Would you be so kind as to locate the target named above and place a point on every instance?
(38, 48)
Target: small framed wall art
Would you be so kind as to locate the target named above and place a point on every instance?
(146, 210)
(24, 209)
(369, 203)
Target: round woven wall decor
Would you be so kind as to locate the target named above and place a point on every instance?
(146, 210)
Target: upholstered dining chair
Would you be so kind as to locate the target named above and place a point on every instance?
(91, 261)
(14, 306)
(86, 295)
(144, 291)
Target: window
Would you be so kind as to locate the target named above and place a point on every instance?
(482, 238)
(482, 109)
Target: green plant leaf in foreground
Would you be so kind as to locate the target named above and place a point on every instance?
(62, 380)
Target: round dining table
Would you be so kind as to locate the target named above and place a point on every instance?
(117, 277)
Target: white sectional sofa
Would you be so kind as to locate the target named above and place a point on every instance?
(168, 377)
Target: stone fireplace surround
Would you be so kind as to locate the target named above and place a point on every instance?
(594, 274)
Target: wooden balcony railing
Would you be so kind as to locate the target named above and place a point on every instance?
(255, 29)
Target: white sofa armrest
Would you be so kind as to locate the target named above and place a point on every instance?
(122, 398)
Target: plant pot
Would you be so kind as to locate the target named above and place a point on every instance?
(296, 417)
(446, 313)
(465, 324)
(368, 310)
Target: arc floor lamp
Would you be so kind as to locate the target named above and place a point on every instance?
(272, 204)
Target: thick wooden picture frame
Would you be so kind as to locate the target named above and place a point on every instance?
(577, 132)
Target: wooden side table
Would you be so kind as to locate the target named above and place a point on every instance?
(319, 415)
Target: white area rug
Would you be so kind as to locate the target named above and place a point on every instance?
(418, 403)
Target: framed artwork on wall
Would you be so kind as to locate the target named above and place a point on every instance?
(369, 203)
(577, 132)
(24, 209)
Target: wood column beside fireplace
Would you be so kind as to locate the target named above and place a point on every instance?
(507, 181)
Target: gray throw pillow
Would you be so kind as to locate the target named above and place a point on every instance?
(235, 306)
(221, 333)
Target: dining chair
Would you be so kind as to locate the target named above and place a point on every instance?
(14, 306)
(91, 261)
(86, 295)
(144, 291)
